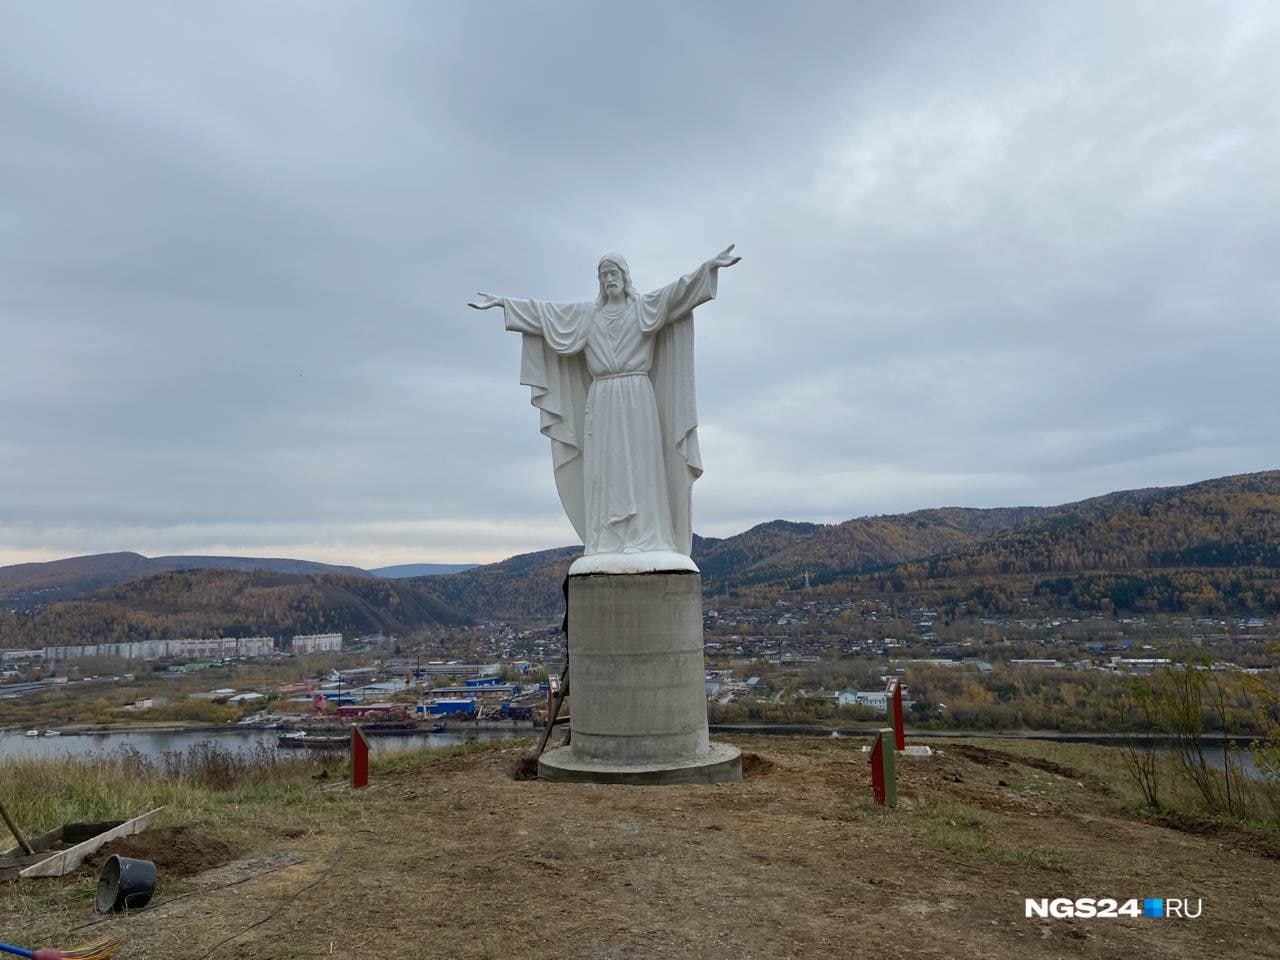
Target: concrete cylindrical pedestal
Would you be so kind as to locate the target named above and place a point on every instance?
(637, 702)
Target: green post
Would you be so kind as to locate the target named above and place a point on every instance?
(890, 767)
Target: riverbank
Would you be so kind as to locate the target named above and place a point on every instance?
(156, 745)
(452, 851)
(512, 727)
(126, 728)
(871, 729)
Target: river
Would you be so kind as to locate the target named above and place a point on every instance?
(153, 744)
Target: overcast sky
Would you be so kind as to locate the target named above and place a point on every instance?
(993, 254)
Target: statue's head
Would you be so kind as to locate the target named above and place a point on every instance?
(614, 276)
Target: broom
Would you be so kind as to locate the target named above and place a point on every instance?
(98, 950)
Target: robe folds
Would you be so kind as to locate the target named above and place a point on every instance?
(615, 396)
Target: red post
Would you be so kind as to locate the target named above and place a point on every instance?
(899, 734)
(359, 759)
(877, 770)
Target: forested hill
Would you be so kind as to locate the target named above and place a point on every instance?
(26, 586)
(230, 603)
(1209, 546)
(841, 549)
(522, 588)
(728, 557)
(529, 586)
(1229, 522)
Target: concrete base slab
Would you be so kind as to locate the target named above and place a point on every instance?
(722, 763)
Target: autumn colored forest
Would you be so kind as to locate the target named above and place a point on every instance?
(1209, 548)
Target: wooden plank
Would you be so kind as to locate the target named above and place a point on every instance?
(64, 861)
(40, 844)
(10, 867)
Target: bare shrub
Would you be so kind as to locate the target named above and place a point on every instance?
(1141, 759)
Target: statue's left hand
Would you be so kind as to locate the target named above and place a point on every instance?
(724, 258)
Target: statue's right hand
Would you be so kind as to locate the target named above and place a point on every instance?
(486, 301)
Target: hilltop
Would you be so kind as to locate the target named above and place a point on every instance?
(458, 858)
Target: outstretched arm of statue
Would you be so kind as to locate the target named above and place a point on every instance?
(681, 296)
(724, 258)
(487, 300)
(563, 325)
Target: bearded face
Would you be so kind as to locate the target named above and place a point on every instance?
(611, 280)
(614, 278)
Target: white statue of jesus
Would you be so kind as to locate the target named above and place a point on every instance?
(613, 380)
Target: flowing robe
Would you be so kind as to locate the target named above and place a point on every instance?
(616, 398)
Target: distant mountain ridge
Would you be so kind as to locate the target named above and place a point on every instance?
(403, 570)
(866, 543)
(526, 587)
(530, 585)
(1229, 524)
(230, 603)
(26, 585)
(1226, 522)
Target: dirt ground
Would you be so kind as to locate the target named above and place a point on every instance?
(462, 859)
(177, 851)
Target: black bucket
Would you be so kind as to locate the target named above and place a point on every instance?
(125, 884)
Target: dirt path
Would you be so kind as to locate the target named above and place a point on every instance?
(459, 859)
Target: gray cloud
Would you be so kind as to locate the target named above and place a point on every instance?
(993, 254)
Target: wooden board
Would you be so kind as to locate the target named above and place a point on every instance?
(11, 866)
(61, 862)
